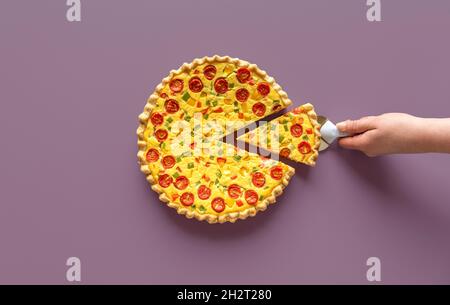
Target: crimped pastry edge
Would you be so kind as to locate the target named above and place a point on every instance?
(144, 116)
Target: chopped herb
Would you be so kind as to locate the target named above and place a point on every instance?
(219, 174)
(281, 138)
(176, 175)
(187, 118)
(186, 96)
(231, 85)
(208, 103)
(202, 208)
(205, 116)
(237, 158)
(169, 120)
(211, 157)
(178, 159)
(214, 103)
(305, 137)
(285, 127)
(261, 197)
(191, 165)
(276, 101)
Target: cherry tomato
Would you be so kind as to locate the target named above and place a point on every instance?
(203, 192)
(152, 155)
(251, 197)
(165, 180)
(234, 191)
(187, 199)
(258, 179)
(181, 182)
(218, 204)
(176, 85)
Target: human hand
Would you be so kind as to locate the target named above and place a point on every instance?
(394, 133)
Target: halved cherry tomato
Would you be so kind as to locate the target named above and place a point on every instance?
(195, 84)
(285, 152)
(259, 109)
(251, 197)
(176, 85)
(165, 180)
(187, 199)
(263, 88)
(152, 155)
(240, 115)
(242, 94)
(218, 204)
(181, 182)
(276, 172)
(297, 110)
(221, 85)
(203, 192)
(168, 162)
(218, 110)
(161, 134)
(243, 75)
(221, 161)
(258, 179)
(171, 106)
(234, 191)
(210, 72)
(296, 130)
(239, 203)
(304, 147)
(156, 119)
(309, 131)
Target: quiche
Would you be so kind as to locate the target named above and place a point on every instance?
(295, 135)
(180, 134)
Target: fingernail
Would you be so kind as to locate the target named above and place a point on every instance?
(341, 126)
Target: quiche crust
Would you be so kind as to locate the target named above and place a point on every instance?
(142, 144)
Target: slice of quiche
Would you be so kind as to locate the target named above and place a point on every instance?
(295, 135)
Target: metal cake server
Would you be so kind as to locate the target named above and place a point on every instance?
(329, 132)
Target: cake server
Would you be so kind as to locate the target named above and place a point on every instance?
(329, 132)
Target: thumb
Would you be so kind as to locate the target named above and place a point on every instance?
(357, 126)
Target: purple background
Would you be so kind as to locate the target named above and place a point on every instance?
(70, 186)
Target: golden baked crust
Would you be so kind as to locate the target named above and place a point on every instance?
(143, 142)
